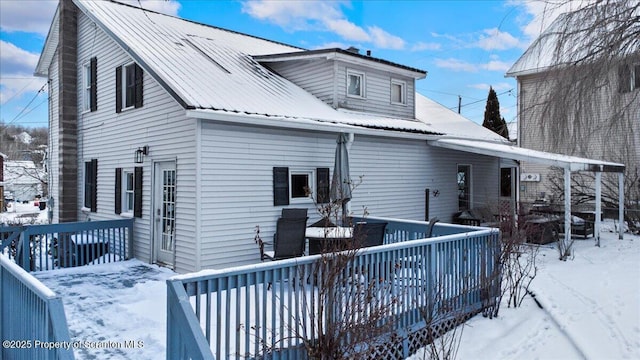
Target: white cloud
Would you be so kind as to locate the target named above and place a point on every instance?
(169, 7)
(456, 65)
(319, 16)
(464, 66)
(383, 39)
(17, 71)
(27, 15)
(16, 60)
(496, 87)
(495, 65)
(331, 45)
(538, 15)
(421, 46)
(347, 30)
(494, 39)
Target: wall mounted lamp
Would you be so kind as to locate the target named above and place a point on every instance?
(140, 153)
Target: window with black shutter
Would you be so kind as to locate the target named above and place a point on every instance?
(91, 184)
(129, 87)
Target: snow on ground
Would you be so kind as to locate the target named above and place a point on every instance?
(19, 213)
(591, 308)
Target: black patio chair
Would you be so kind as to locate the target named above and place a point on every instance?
(294, 213)
(370, 233)
(288, 240)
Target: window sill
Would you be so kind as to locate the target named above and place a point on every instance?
(128, 215)
(85, 209)
(305, 200)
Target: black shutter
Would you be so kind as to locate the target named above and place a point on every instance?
(93, 101)
(322, 181)
(137, 192)
(138, 85)
(280, 186)
(119, 89)
(118, 191)
(94, 190)
(87, 184)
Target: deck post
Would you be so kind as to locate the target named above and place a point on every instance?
(620, 204)
(567, 206)
(598, 208)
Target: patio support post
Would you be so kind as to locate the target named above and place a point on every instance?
(621, 204)
(567, 205)
(598, 219)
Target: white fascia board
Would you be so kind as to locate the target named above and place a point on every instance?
(375, 65)
(298, 124)
(49, 47)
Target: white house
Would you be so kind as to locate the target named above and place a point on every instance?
(201, 133)
(22, 180)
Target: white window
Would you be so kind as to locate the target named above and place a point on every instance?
(86, 87)
(301, 185)
(398, 92)
(464, 187)
(355, 84)
(127, 192)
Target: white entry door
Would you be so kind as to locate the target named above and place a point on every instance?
(164, 212)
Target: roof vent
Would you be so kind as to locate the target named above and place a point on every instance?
(353, 49)
(368, 52)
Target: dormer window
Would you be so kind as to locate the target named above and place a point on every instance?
(355, 84)
(398, 92)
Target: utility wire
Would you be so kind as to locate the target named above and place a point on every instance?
(477, 101)
(29, 104)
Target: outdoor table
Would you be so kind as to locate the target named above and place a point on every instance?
(327, 238)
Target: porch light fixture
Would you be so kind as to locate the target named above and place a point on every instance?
(140, 154)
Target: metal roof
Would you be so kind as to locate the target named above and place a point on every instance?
(517, 153)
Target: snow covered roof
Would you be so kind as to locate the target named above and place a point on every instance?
(21, 172)
(517, 153)
(580, 36)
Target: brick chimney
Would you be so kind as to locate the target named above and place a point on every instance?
(68, 112)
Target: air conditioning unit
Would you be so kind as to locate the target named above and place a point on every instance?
(529, 177)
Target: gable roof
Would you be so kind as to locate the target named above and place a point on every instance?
(212, 72)
(582, 36)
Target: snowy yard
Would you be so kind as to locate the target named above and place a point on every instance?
(591, 308)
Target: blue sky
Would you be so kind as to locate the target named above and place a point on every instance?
(465, 46)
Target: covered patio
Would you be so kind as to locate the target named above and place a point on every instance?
(568, 163)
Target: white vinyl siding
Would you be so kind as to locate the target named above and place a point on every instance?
(237, 182)
(113, 138)
(316, 77)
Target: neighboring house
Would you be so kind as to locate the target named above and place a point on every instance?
(201, 133)
(2, 204)
(556, 113)
(22, 180)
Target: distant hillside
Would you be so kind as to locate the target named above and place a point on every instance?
(23, 143)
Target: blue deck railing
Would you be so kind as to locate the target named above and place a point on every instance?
(32, 319)
(275, 309)
(54, 246)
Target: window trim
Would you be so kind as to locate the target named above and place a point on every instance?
(363, 80)
(126, 209)
(311, 176)
(126, 86)
(469, 186)
(86, 86)
(403, 92)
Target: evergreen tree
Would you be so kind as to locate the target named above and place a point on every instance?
(492, 119)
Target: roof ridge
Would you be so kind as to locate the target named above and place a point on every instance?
(202, 24)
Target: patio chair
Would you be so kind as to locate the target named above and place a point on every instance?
(288, 240)
(370, 234)
(294, 213)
